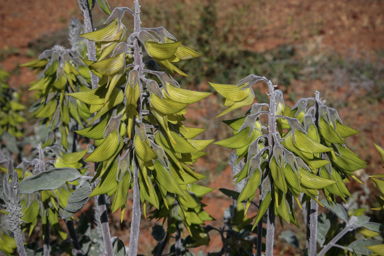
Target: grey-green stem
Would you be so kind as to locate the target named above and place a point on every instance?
(334, 240)
(88, 27)
(270, 238)
(136, 210)
(312, 212)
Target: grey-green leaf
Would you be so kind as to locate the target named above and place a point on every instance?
(359, 246)
(48, 180)
(336, 209)
(77, 200)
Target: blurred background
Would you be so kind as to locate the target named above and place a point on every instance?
(335, 47)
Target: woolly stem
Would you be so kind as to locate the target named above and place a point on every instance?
(270, 238)
(136, 210)
(334, 240)
(19, 242)
(105, 225)
(136, 213)
(88, 25)
(312, 211)
(99, 228)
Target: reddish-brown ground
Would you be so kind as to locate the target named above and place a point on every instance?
(343, 26)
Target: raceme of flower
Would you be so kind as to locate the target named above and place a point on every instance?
(11, 116)
(63, 71)
(139, 111)
(300, 151)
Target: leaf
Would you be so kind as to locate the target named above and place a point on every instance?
(77, 200)
(376, 227)
(106, 149)
(51, 179)
(290, 238)
(336, 209)
(359, 246)
(158, 232)
(230, 193)
(118, 248)
(323, 225)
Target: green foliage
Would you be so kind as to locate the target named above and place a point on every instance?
(11, 115)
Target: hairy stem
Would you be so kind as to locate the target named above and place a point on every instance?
(136, 213)
(46, 239)
(88, 25)
(334, 240)
(312, 212)
(270, 230)
(19, 242)
(105, 225)
(270, 238)
(136, 210)
(99, 228)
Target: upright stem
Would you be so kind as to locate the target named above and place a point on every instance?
(136, 213)
(136, 210)
(69, 223)
(312, 212)
(19, 242)
(259, 244)
(105, 225)
(270, 238)
(46, 239)
(312, 207)
(88, 25)
(270, 230)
